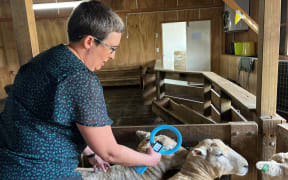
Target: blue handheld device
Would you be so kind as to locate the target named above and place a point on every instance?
(158, 147)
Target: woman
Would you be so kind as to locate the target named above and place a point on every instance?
(56, 105)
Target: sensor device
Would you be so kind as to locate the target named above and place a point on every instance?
(158, 147)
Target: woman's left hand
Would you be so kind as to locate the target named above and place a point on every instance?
(98, 163)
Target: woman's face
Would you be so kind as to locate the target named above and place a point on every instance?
(101, 53)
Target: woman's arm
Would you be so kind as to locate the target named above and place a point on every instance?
(102, 141)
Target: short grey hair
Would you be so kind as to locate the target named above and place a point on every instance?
(93, 18)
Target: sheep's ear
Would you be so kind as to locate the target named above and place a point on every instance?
(142, 134)
(199, 152)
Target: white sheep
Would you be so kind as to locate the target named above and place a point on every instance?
(211, 159)
(276, 168)
(118, 172)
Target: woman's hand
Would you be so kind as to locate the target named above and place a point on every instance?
(98, 163)
(155, 156)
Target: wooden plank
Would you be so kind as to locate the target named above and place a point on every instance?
(188, 92)
(189, 115)
(221, 102)
(172, 112)
(24, 29)
(240, 133)
(195, 105)
(192, 78)
(282, 138)
(248, 20)
(50, 32)
(235, 92)
(191, 134)
(237, 116)
(215, 114)
(268, 53)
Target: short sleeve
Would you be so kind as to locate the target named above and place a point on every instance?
(80, 97)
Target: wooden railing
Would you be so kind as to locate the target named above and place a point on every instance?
(206, 95)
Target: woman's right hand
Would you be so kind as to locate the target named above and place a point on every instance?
(155, 157)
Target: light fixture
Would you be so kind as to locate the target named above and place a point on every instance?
(58, 5)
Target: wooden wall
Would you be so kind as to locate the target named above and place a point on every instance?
(229, 70)
(142, 35)
(229, 63)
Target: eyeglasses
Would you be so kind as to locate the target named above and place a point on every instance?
(101, 42)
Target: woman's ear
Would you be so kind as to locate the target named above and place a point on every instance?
(87, 42)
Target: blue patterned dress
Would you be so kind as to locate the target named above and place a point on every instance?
(39, 138)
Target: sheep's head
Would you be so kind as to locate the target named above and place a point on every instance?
(276, 168)
(175, 160)
(220, 158)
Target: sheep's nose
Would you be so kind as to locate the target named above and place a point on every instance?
(246, 166)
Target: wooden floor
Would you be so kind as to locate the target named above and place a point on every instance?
(125, 106)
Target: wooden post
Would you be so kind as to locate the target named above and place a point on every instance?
(24, 29)
(268, 54)
(245, 132)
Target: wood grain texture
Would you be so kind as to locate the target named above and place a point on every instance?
(51, 33)
(24, 27)
(159, 4)
(121, 4)
(249, 135)
(174, 113)
(268, 52)
(235, 92)
(282, 138)
(268, 132)
(229, 70)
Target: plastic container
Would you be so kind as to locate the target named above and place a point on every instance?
(248, 48)
(238, 47)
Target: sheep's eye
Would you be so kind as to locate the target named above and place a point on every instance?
(219, 155)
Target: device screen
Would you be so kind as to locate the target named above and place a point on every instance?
(157, 146)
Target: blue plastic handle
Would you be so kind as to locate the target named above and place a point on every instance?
(142, 169)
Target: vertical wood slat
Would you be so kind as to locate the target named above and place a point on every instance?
(244, 132)
(268, 53)
(24, 29)
(268, 129)
(282, 138)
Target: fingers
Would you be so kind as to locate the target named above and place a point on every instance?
(95, 168)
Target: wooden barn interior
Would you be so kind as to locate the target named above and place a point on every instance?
(244, 105)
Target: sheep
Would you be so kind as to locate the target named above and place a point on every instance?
(277, 167)
(167, 162)
(211, 159)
